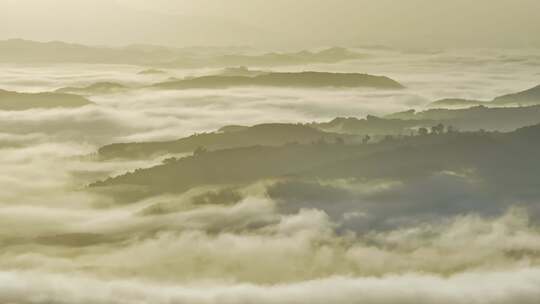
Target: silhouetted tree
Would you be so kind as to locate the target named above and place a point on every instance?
(388, 138)
(199, 151)
(170, 160)
(366, 139)
(438, 129)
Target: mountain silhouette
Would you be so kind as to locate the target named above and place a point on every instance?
(26, 51)
(96, 88)
(475, 118)
(349, 130)
(151, 72)
(300, 80)
(264, 134)
(14, 101)
(527, 97)
(524, 98)
(497, 158)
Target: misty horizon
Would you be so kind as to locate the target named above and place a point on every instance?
(406, 24)
(253, 151)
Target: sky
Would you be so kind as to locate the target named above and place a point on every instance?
(278, 23)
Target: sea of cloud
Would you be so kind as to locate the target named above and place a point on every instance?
(349, 242)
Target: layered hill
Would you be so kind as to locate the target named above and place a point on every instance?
(96, 88)
(265, 134)
(527, 97)
(331, 55)
(15, 101)
(287, 80)
(524, 98)
(502, 161)
(25, 51)
(347, 130)
(475, 118)
(469, 119)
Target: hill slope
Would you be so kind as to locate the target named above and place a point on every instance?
(96, 88)
(265, 134)
(524, 98)
(503, 161)
(300, 80)
(14, 101)
(25, 51)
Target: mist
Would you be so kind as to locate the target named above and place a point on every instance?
(308, 151)
(406, 24)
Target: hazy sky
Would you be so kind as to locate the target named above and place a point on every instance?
(276, 23)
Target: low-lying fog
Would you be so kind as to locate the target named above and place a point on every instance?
(62, 243)
(145, 114)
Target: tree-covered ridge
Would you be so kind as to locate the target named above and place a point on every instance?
(275, 79)
(15, 101)
(523, 98)
(96, 88)
(495, 158)
(349, 130)
(264, 134)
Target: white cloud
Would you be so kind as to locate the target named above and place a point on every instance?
(513, 286)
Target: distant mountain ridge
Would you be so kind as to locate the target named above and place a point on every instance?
(475, 118)
(341, 129)
(527, 97)
(491, 156)
(96, 88)
(523, 98)
(276, 79)
(25, 51)
(264, 134)
(331, 55)
(15, 101)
